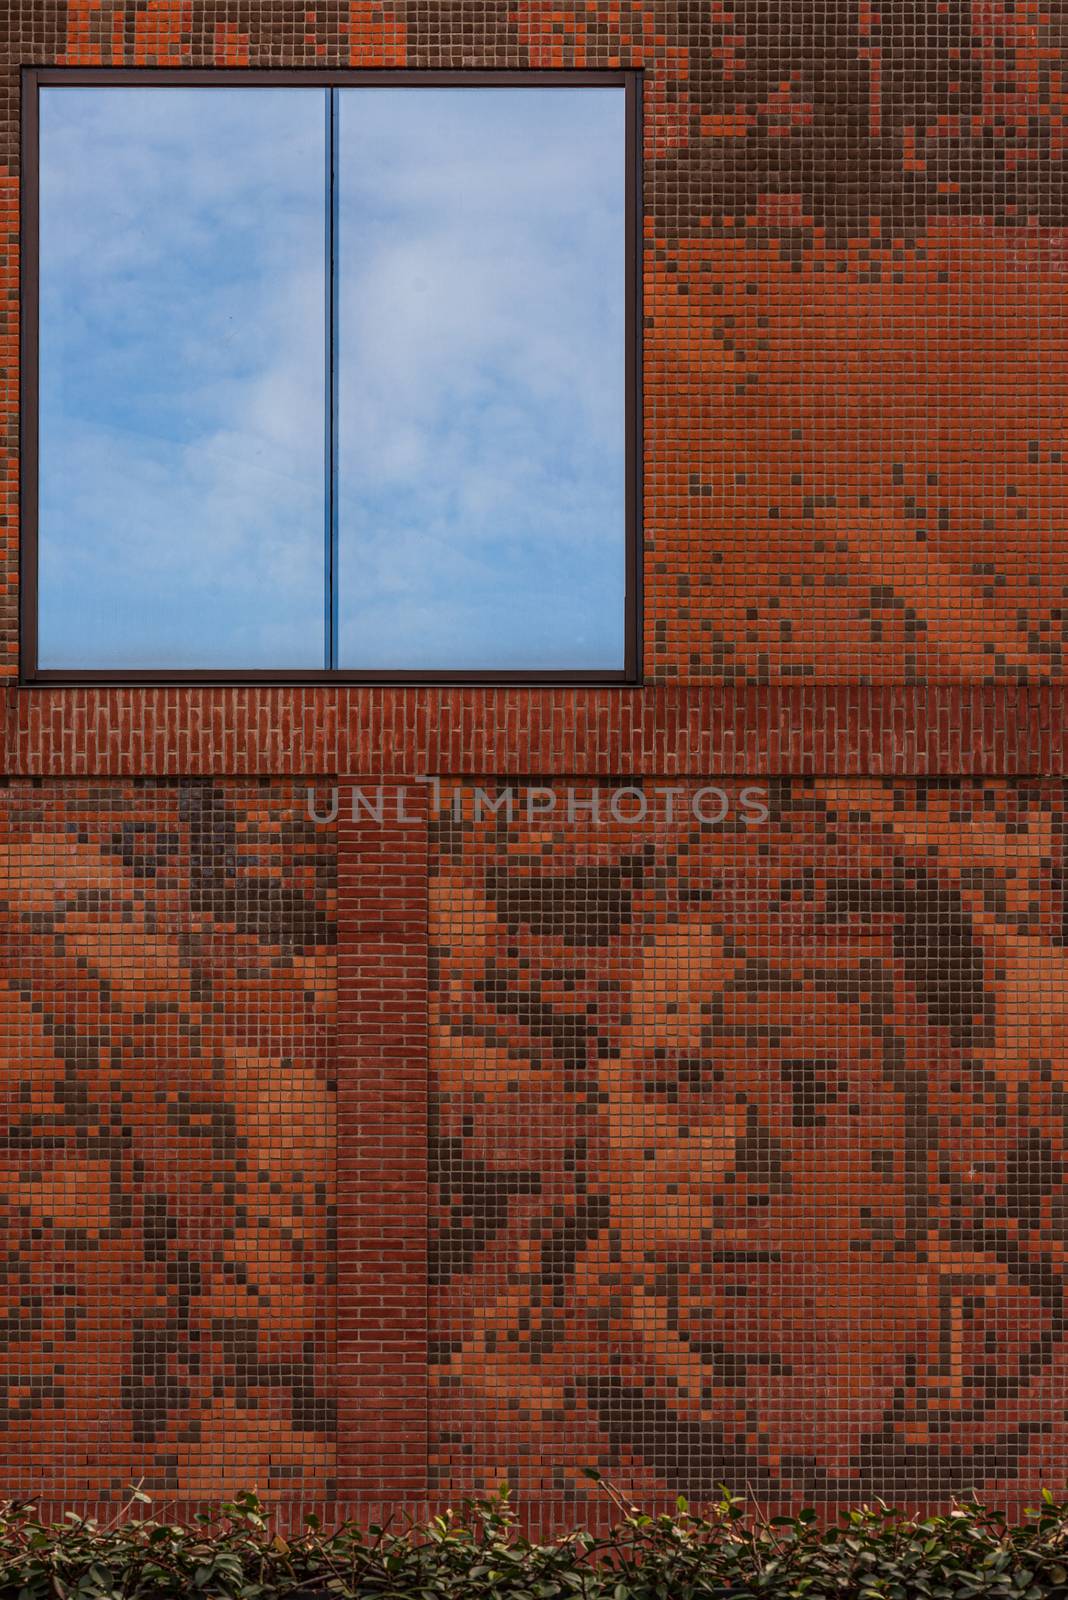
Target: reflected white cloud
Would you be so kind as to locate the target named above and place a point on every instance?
(182, 378)
(182, 309)
(482, 378)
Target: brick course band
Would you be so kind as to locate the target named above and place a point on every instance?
(688, 729)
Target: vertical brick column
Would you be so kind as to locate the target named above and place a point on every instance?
(382, 1147)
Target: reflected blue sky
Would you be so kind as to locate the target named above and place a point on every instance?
(481, 417)
(181, 402)
(482, 378)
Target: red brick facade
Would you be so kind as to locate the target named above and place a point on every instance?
(365, 1165)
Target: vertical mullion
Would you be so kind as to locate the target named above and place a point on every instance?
(29, 372)
(330, 464)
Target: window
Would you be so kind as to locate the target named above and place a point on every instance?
(330, 376)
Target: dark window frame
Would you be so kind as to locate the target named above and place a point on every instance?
(35, 78)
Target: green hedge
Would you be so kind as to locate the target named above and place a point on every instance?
(479, 1553)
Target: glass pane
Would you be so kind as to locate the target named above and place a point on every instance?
(182, 380)
(481, 416)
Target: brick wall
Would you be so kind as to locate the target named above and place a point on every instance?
(367, 1165)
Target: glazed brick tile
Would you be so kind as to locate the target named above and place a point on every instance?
(167, 1146)
(747, 1155)
(367, 1166)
